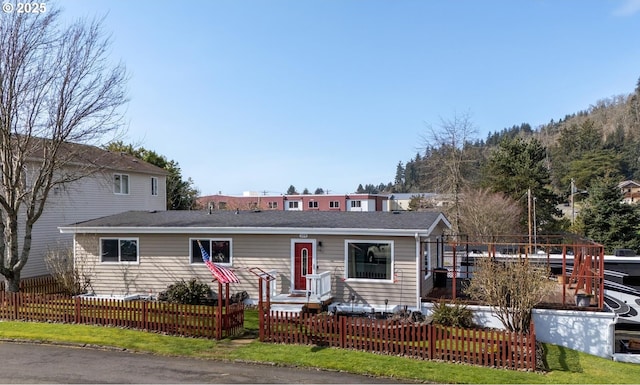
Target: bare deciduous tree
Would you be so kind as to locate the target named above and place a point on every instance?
(446, 146)
(511, 287)
(56, 86)
(488, 214)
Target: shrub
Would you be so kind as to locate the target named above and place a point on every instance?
(190, 293)
(73, 279)
(512, 288)
(455, 314)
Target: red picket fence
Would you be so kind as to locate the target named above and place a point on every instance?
(42, 284)
(187, 320)
(422, 341)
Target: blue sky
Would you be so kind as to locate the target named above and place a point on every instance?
(259, 95)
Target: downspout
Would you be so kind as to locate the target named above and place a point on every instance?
(73, 251)
(419, 277)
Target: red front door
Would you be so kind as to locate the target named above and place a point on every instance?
(302, 264)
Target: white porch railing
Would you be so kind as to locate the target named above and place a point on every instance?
(318, 285)
(273, 287)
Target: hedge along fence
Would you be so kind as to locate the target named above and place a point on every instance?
(491, 348)
(169, 318)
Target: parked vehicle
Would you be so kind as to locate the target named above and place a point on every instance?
(379, 252)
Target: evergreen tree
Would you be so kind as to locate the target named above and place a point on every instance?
(592, 166)
(606, 219)
(399, 181)
(319, 191)
(368, 189)
(517, 166)
(292, 190)
(181, 194)
(411, 177)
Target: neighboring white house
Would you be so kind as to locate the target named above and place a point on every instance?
(401, 201)
(121, 182)
(630, 190)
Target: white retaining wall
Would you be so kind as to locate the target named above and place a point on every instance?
(585, 331)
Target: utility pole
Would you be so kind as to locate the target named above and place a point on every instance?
(535, 227)
(529, 210)
(573, 209)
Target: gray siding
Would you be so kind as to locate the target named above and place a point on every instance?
(88, 198)
(164, 259)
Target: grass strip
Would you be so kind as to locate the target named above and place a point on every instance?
(566, 366)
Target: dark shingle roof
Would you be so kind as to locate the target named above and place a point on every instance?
(88, 155)
(112, 160)
(404, 220)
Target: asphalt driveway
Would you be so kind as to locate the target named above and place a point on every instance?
(42, 363)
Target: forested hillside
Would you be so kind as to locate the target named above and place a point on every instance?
(494, 181)
(585, 145)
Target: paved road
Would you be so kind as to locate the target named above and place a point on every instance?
(40, 363)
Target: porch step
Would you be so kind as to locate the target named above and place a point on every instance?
(290, 308)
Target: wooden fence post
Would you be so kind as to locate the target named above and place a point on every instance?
(261, 321)
(403, 338)
(431, 342)
(219, 314)
(531, 339)
(342, 325)
(227, 306)
(16, 304)
(267, 307)
(77, 316)
(145, 315)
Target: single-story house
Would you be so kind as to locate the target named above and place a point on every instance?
(367, 258)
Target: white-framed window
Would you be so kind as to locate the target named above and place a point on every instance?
(273, 205)
(219, 250)
(154, 186)
(293, 205)
(121, 184)
(334, 204)
(119, 250)
(356, 204)
(369, 259)
(313, 204)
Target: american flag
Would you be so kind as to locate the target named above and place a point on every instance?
(221, 273)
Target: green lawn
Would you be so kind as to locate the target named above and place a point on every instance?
(565, 366)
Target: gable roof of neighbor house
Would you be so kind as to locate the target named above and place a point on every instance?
(628, 183)
(88, 155)
(265, 222)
